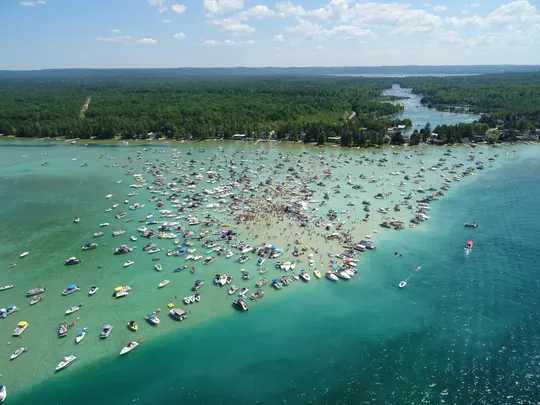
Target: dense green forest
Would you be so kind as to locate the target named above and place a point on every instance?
(194, 107)
(124, 104)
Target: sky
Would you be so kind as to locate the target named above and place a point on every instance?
(39, 34)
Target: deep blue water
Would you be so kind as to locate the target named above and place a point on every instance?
(465, 331)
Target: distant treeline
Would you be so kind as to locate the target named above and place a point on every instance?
(313, 109)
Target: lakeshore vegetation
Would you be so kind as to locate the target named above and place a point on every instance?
(350, 111)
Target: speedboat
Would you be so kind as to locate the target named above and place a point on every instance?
(5, 312)
(65, 362)
(128, 263)
(71, 261)
(331, 276)
(35, 291)
(153, 318)
(197, 285)
(35, 300)
(80, 335)
(177, 314)
(305, 276)
(24, 254)
(132, 326)
(158, 267)
(402, 284)
(62, 330)
(76, 220)
(317, 273)
(3, 393)
(163, 283)
(89, 246)
(6, 287)
(93, 290)
(129, 347)
(105, 331)
(343, 275)
(470, 225)
(240, 304)
(469, 246)
(73, 309)
(17, 353)
(71, 289)
(20, 328)
(233, 289)
(121, 291)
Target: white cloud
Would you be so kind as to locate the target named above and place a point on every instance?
(166, 21)
(440, 9)
(178, 8)
(115, 31)
(258, 11)
(147, 41)
(179, 36)
(235, 26)
(279, 38)
(289, 9)
(160, 5)
(222, 6)
(32, 3)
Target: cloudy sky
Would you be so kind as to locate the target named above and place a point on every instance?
(174, 33)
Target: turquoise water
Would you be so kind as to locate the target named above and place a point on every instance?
(466, 330)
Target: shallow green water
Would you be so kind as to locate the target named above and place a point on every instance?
(465, 324)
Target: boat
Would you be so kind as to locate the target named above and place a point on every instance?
(305, 276)
(73, 309)
(331, 276)
(233, 289)
(197, 285)
(158, 267)
(240, 304)
(76, 220)
(24, 254)
(343, 275)
(93, 290)
(98, 234)
(317, 273)
(62, 330)
(178, 314)
(80, 335)
(6, 287)
(71, 289)
(121, 291)
(105, 331)
(277, 284)
(129, 347)
(153, 318)
(243, 291)
(470, 225)
(17, 353)
(89, 246)
(132, 326)
(5, 312)
(20, 328)
(164, 283)
(402, 284)
(128, 263)
(469, 246)
(72, 261)
(35, 291)
(3, 393)
(65, 362)
(35, 300)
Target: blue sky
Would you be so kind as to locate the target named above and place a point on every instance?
(38, 34)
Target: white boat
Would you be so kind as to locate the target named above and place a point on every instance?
(128, 263)
(3, 393)
(331, 276)
(163, 283)
(24, 254)
(305, 276)
(343, 275)
(21, 327)
(6, 287)
(65, 362)
(402, 284)
(35, 300)
(80, 335)
(93, 290)
(317, 273)
(158, 267)
(105, 331)
(104, 224)
(129, 347)
(17, 353)
(73, 309)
